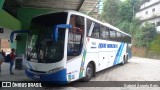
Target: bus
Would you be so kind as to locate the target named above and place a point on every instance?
(67, 46)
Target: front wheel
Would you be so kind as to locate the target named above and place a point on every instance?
(89, 72)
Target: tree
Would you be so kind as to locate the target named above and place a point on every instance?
(148, 33)
(121, 15)
(127, 9)
(110, 11)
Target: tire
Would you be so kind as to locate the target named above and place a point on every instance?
(89, 73)
(127, 59)
(124, 61)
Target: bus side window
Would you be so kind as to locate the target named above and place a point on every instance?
(123, 38)
(112, 35)
(104, 32)
(119, 36)
(96, 31)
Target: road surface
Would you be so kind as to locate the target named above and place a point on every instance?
(137, 69)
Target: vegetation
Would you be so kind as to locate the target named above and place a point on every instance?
(110, 10)
(122, 15)
(154, 46)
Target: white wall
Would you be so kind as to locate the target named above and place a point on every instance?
(151, 16)
(143, 16)
(149, 3)
(6, 33)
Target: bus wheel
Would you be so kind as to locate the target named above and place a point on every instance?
(89, 73)
(124, 61)
(127, 59)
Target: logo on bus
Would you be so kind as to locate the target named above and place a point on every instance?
(104, 45)
(93, 43)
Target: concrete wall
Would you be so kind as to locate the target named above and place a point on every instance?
(26, 14)
(148, 13)
(146, 4)
(8, 22)
(21, 23)
(1, 3)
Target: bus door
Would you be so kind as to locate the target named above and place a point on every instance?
(74, 47)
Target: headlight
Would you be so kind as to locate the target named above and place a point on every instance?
(55, 70)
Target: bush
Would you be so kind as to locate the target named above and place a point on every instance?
(155, 45)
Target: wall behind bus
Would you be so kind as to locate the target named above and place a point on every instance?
(25, 15)
(10, 23)
(1, 3)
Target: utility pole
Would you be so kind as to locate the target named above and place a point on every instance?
(133, 10)
(133, 2)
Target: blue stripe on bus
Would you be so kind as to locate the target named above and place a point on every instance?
(120, 53)
(117, 55)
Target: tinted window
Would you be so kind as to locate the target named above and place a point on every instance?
(119, 35)
(104, 32)
(96, 31)
(112, 34)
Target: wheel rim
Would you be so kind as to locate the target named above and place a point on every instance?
(89, 72)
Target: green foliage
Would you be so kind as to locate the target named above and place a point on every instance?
(125, 11)
(124, 26)
(141, 35)
(110, 9)
(147, 34)
(155, 45)
(122, 15)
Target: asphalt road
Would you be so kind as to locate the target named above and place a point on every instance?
(137, 69)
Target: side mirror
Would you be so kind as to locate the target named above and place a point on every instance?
(55, 30)
(19, 31)
(18, 37)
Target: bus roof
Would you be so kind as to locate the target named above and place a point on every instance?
(105, 24)
(81, 14)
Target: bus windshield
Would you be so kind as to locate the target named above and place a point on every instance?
(41, 47)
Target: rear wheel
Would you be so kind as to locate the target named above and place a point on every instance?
(89, 72)
(127, 59)
(124, 61)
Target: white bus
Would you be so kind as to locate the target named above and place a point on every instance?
(67, 46)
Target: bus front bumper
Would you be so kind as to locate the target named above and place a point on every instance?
(58, 77)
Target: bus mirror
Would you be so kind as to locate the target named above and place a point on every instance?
(55, 36)
(19, 31)
(55, 30)
(18, 37)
